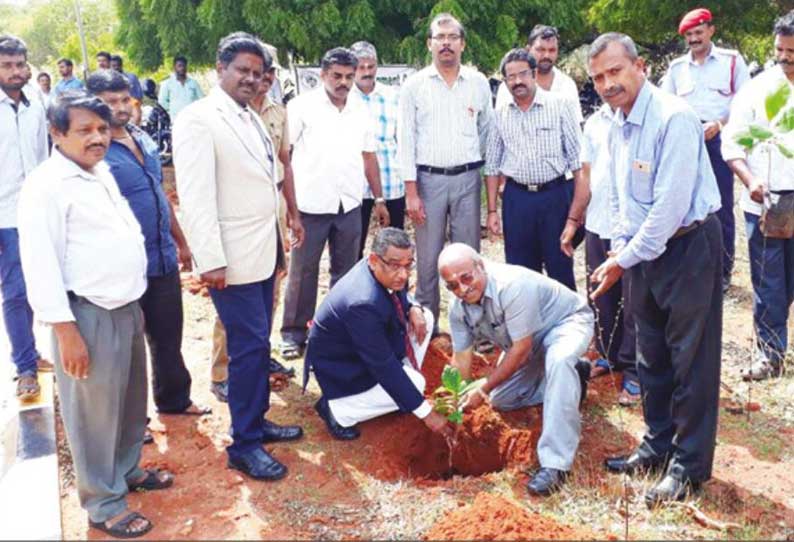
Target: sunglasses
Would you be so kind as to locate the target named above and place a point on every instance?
(464, 279)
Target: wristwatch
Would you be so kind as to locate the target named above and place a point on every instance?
(380, 200)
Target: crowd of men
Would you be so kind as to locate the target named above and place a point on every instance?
(90, 245)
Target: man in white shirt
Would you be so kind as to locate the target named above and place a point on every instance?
(84, 259)
(23, 145)
(765, 172)
(442, 129)
(543, 43)
(333, 157)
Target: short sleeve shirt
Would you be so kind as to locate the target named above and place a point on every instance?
(517, 303)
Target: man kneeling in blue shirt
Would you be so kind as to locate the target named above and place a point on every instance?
(368, 341)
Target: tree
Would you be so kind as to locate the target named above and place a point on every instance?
(307, 28)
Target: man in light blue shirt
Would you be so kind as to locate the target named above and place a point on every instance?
(708, 77)
(663, 197)
(179, 90)
(68, 81)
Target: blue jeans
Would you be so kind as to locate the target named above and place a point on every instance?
(243, 310)
(17, 314)
(772, 273)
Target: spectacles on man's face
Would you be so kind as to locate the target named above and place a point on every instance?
(523, 74)
(396, 267)
(441, 38)
(464, 279)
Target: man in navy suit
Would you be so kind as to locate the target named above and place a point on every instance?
(368, 341)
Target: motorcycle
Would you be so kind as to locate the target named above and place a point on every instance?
(156, 122)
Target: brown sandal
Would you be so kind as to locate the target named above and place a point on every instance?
(28, 388)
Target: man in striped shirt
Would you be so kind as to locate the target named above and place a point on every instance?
(382, 103)
(445, 115)
(535, 140)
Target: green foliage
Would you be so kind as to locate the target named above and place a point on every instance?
(780, 114)
(775, 101)
(447, 399)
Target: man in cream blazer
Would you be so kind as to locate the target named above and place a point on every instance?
(226, 180)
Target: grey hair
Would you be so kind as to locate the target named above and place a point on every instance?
(603, 41)
(446, 18)
(390, 237)
(364, 49)
(455, 252)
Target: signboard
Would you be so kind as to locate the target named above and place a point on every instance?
(308, 77)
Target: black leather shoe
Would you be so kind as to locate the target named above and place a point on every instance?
(258, 464)
(583, 370)
(279, 433)
(276, 367)
(336, 430)
(546, 481)
(220, 390)
(668, 490)
(634, 463)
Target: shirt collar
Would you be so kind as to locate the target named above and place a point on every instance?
(433, 72)
(229, 103)
(637, 114)
(70, 169)
(376, 91)
(540, 99)
(6, 98)
(712, 54)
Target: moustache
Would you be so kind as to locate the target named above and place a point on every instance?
(342, 88)
(695, 43)
(98, 146)
(614, 91)
(786, 62)
(518, 86)
(366, 77)
(446, 50)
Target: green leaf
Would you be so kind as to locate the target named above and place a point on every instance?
(776, 100)
(747, 142)
(786, 121)
(456, 417)
(759, 132)
(471, 385)
(785, 151)
(451, 379)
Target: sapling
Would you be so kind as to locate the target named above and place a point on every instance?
(448, 397)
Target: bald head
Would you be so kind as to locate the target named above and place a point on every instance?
(457, 253)
(463, 271)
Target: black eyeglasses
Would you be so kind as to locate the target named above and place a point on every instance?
(395, 267)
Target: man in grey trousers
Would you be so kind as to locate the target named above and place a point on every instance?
(84, 260)
(542, 328)
(444, 118)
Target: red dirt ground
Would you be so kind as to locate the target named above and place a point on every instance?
(491, 517)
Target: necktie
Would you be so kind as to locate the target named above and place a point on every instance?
(409, 349)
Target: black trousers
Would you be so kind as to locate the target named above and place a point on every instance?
(162, 311)
(677, 305)
(616, 338)
(396, 208)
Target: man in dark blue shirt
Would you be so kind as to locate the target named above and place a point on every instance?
(135, 163)
(367, 343)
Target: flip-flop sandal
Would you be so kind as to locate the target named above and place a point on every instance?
(121, 529)
(200, 411)
(27, 388)
(601, 367)
(152, 482)
(630, 394)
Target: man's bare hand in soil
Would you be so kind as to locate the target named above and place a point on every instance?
(74, 354)
(439, 424)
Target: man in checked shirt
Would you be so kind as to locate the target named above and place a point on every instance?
(535, 139)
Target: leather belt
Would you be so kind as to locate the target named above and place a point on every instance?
(538, 187)
(692, 227)
(455, 170)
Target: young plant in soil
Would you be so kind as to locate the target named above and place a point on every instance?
(448, 397)
(448, 400)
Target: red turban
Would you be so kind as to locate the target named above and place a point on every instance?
(694, 18)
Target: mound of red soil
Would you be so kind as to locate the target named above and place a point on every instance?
(488, 441)
(491, 517)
